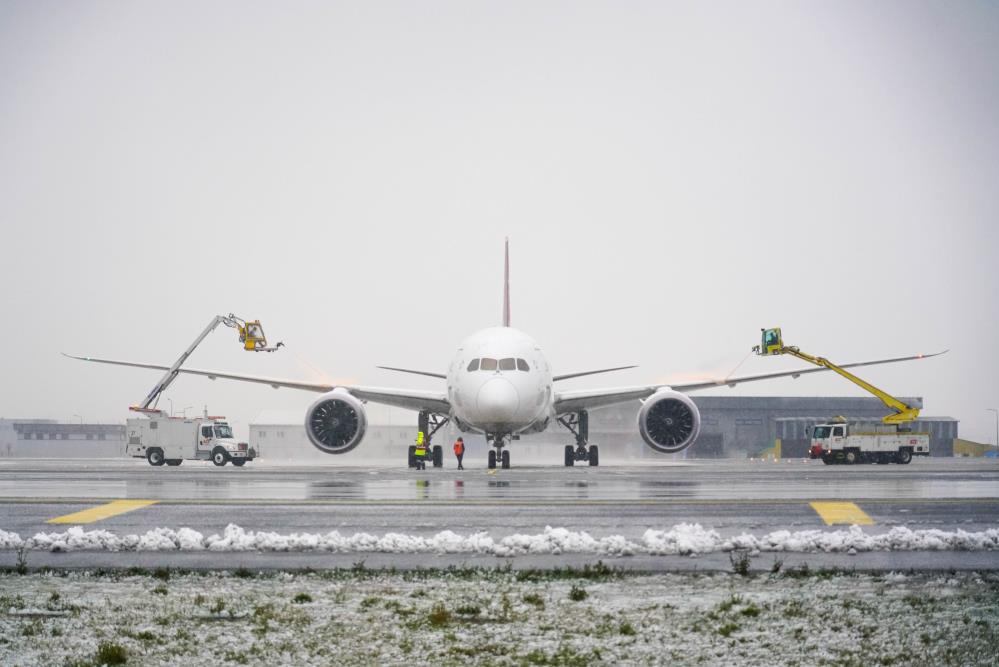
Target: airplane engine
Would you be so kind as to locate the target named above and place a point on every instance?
(336, 422)
(669, 421)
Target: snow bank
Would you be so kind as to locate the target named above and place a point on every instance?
(682, 539)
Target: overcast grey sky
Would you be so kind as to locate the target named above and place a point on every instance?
(672, 176)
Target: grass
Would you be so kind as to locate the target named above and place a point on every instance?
(534, 599)
(727, 629)
(741, 562)
(109, 653)
(439, 616)
(302, 598)
(379, 617)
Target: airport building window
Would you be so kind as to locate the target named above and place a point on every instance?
(749, 422)
(522, 365)
(488, 365)
(509, 364)
(261, 434)
(473, 365)
(101, 436)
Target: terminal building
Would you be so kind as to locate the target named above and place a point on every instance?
(731, 427)
(47, 438)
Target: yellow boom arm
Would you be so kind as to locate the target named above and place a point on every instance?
(773, 344)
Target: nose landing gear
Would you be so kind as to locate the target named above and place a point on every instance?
(578, 424)
(498, 453)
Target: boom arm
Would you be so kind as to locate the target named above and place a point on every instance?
(251, 334)
(773, 344)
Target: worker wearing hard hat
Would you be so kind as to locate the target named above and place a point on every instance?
(459, 451)
(421, 451)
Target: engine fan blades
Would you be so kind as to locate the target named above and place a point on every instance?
(334, 423)
(670, 423)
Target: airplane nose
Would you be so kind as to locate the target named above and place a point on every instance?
(497, 401)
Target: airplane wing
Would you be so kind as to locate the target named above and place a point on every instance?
(572, 401)
(411, 399)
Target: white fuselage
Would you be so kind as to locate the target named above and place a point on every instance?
(500, 382)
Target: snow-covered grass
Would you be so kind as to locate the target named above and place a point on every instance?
(498, 616)
(683, 539)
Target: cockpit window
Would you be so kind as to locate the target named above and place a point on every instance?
(522, 365)
(508, 364)
(473, 365)
(488, 365)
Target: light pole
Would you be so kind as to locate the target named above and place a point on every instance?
(184, 411)
(170, 400)
(80, 418)
(996, 412)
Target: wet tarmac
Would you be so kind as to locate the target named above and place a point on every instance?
(696, 480)
(730, 497)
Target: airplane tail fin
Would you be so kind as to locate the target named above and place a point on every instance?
(506, 284)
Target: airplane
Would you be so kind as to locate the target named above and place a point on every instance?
(500, 384)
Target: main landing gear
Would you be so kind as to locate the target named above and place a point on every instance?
(578, 424)
(429, 423)
(498, 454)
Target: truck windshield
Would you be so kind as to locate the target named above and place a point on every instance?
(223, 431)
(820, 432)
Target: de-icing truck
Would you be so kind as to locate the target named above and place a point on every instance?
(161, 439)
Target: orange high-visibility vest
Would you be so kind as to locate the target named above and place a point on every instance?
(459, 448)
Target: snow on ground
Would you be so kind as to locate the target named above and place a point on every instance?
(498, 617)
(682, 539)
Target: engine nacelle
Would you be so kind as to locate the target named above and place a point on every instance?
(336, 422)
(669, 421)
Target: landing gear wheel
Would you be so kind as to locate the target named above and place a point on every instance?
(594, 455)
(851, 457)
(412, 456)
(570, 456)
(438, 456)
(506, 459)
(903, 456)
(492, 459)
(155, 456)
(219, 457)
(238, 462)
(174, 462)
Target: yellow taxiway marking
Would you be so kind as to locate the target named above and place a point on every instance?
(113, 508)
(848, 513)
(492, 472)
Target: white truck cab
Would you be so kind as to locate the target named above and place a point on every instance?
(162, 439)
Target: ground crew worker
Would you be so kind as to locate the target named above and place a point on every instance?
(421, 452)
(459, 451)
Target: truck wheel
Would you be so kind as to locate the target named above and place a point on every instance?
(851, 457)
(827, 459)
(155, 456)
(903, 456)
(238, 462)
(219, 456)
(174, 462)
